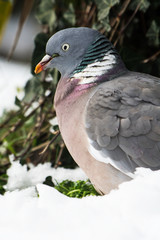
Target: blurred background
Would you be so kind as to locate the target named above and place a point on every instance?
(28, 126)
(16, 71)
(10, 22)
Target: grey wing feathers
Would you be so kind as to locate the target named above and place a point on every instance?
(123, 122)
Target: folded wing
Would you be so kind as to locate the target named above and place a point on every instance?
(123, 122)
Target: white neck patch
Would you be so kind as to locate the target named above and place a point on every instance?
(95, 69)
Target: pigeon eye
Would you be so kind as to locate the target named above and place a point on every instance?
(65, 47)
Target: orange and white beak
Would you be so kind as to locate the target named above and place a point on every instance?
(44, 63)
(38, 68)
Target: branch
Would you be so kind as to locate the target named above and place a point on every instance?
(115, 22)
(59, 155)
(57, 133)
(129, 21)
(151, 58)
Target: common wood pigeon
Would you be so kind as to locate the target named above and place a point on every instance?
(109, 117)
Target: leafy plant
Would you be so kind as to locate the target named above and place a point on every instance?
(77, 189)
(153, 34)
(4, 164)
(104, 8)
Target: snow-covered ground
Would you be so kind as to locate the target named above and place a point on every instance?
(31, 210)
(130, 213)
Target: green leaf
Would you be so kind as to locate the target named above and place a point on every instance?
(48, 181)
(153, 34)
(17, 102)
(45, 13)
(9, 146)
(69, 15)
(144, 5)
(104, 8)
(32, 89)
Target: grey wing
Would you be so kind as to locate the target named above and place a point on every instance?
(123, 122)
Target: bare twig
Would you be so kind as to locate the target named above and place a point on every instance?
(26, 107)
(124, 7)
(59, 155)
(40, 146)
(116, 21)
(20, 121)
(151, 58)
(91, 13)
(131, 18)
(126, 25)
(114, 29)
(24, 152)
(57, 133)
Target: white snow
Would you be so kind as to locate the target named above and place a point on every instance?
(131, 212)
(13, 76)
(20, 178)
(30, 210)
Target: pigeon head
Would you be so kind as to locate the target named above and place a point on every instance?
(66, 48)
(79, 50)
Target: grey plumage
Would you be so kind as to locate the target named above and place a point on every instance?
(124, 115)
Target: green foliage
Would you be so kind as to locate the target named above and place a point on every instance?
(46, 14)
(48, 181)
(144, 5)
(69, 15)
(78, 189)
(25, 132)
(104, 8)
(153, 34)
(129, 25)
(55, 14)
(4, 164)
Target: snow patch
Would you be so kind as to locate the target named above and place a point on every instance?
(13, 76)
(131, 212)
(20, 177)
